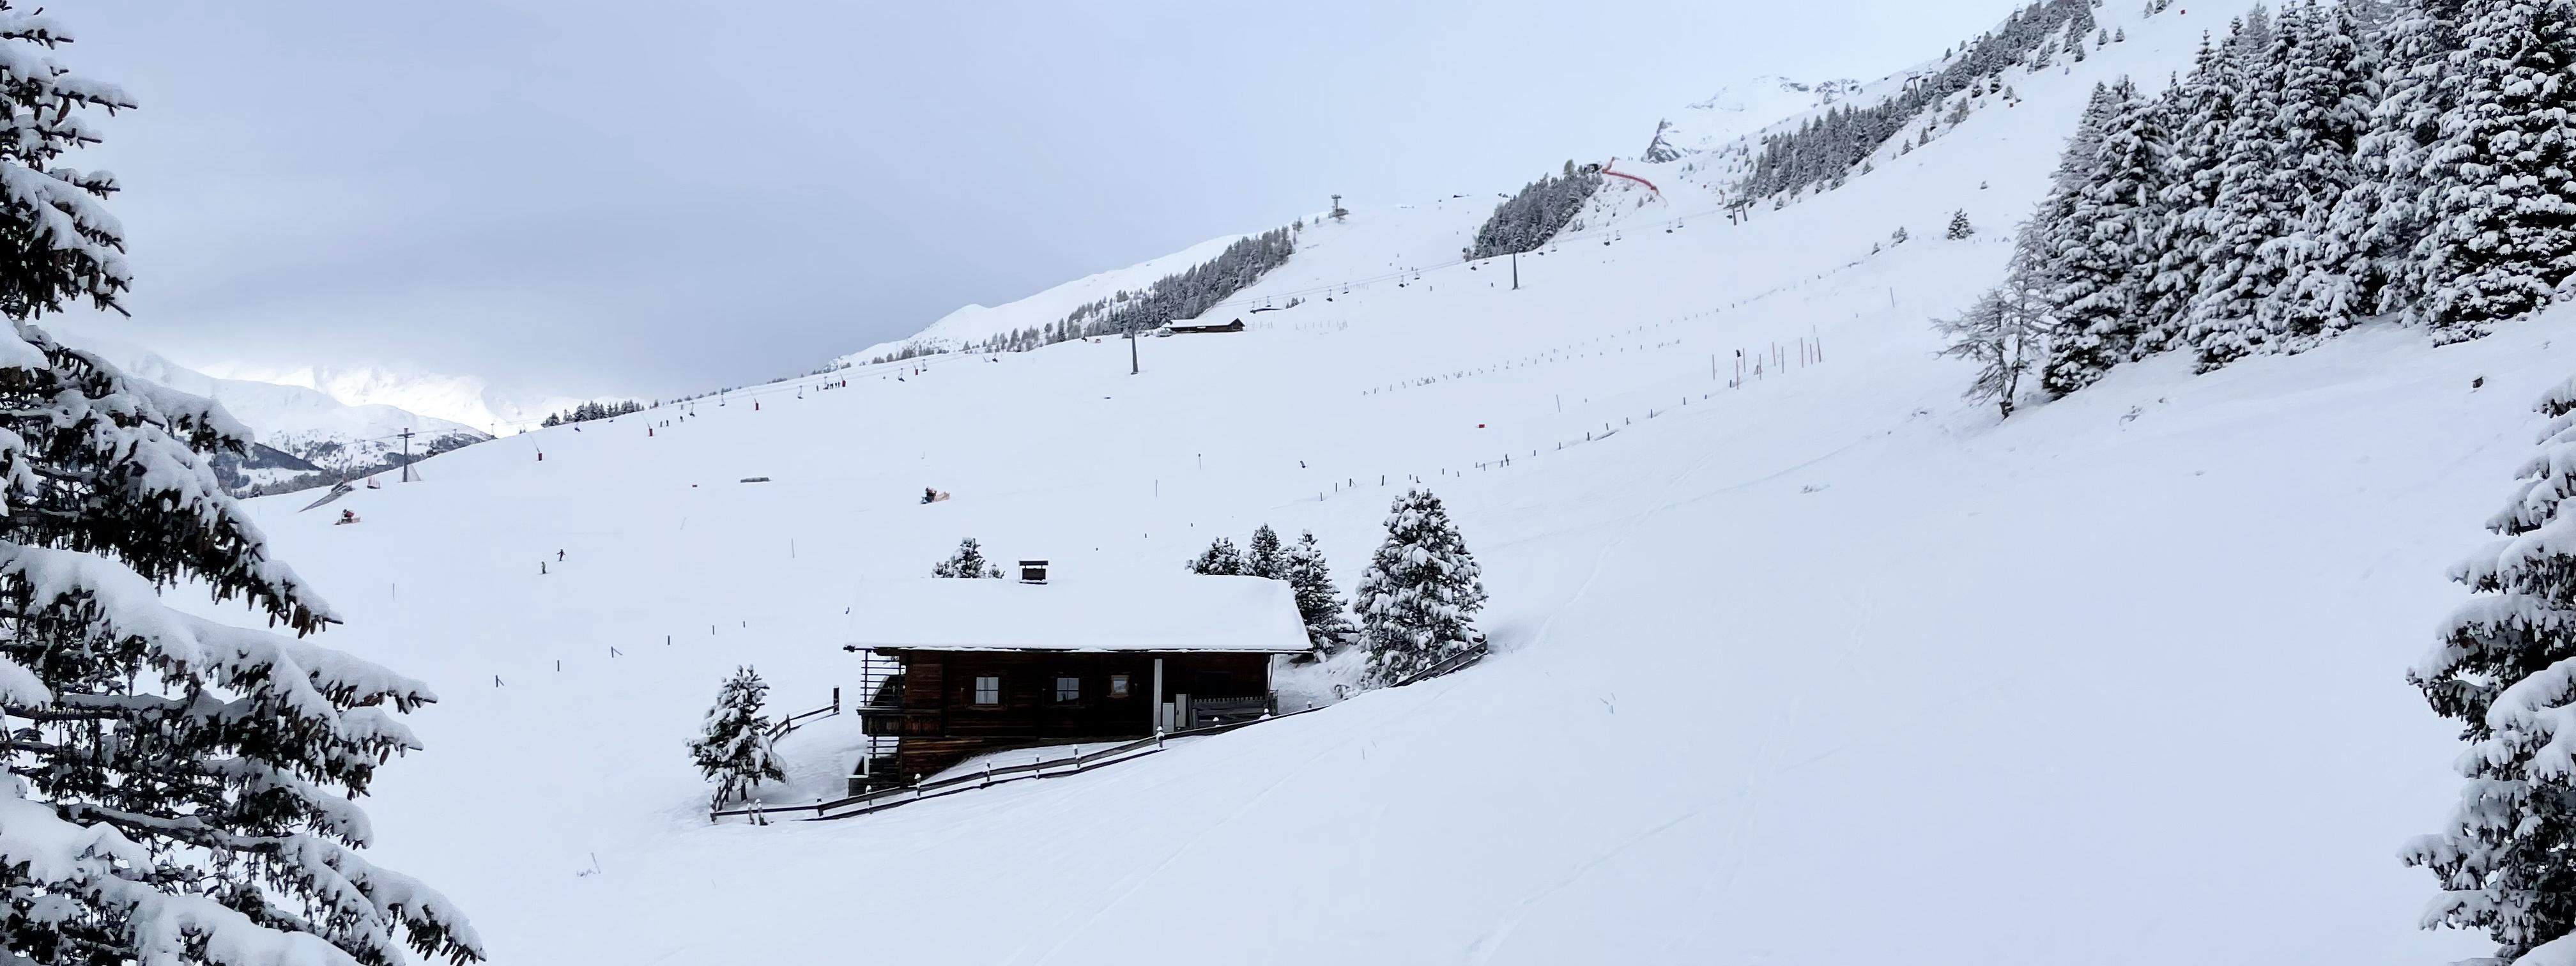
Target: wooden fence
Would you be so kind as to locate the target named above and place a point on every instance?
(882, 799)
(795, 721)
(1455, 662)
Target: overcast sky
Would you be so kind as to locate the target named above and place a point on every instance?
(597, 197)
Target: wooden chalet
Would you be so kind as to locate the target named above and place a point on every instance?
(1187, 328)
(964, 667)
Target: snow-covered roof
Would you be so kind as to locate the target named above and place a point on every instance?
(1176, 613)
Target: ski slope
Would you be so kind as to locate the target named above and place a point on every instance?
(1828, 668)
(1737, 109)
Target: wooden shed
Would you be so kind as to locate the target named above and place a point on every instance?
(964, 667)
(1186, 328)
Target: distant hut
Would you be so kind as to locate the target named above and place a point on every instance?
(1187, 328)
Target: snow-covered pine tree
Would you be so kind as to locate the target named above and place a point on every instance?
(2252, 34)
(2053, 238)
(2249, 207)
(968, 561)
(1318, 603)
(179, 790)
(1261, 557)
(1535, 214)
(732, 747)
(2504, 234)
(2381, 224)
(1959, 227)
(1220, 558)
(592, 410)
(2051, 227)
(1831, 144)
(2199, 108)
(174, 781)
(2100, 283)
(1184, 294)
(2325, 106)
(1419, 596)
(2506, 670)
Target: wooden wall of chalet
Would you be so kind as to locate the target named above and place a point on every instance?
(942, 725)
(939, 692)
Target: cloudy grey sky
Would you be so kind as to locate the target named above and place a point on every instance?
(586, 196)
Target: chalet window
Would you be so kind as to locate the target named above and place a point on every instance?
(1117, 685)
(988, 690)
(1068, 689)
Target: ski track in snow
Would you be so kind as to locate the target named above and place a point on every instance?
(1130, 885)
(1486, 946)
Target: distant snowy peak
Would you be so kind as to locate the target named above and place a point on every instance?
(1742, 108)
(301, 422)
(465, 400)
(1774, 89)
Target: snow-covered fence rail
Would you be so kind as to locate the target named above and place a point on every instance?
(888, 798)
(795, 721)
(1752, 364)
(878, 801)
(1455, 662)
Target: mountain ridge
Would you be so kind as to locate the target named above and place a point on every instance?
(317, 432)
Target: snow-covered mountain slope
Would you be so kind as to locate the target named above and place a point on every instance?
(1733, 112)
(1741, 108)
(1827, 669)
(306, 423)
(975, 323)
(467, 400)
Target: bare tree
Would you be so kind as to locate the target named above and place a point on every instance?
(2003, 333)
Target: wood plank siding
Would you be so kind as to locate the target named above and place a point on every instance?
(1046, 697)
